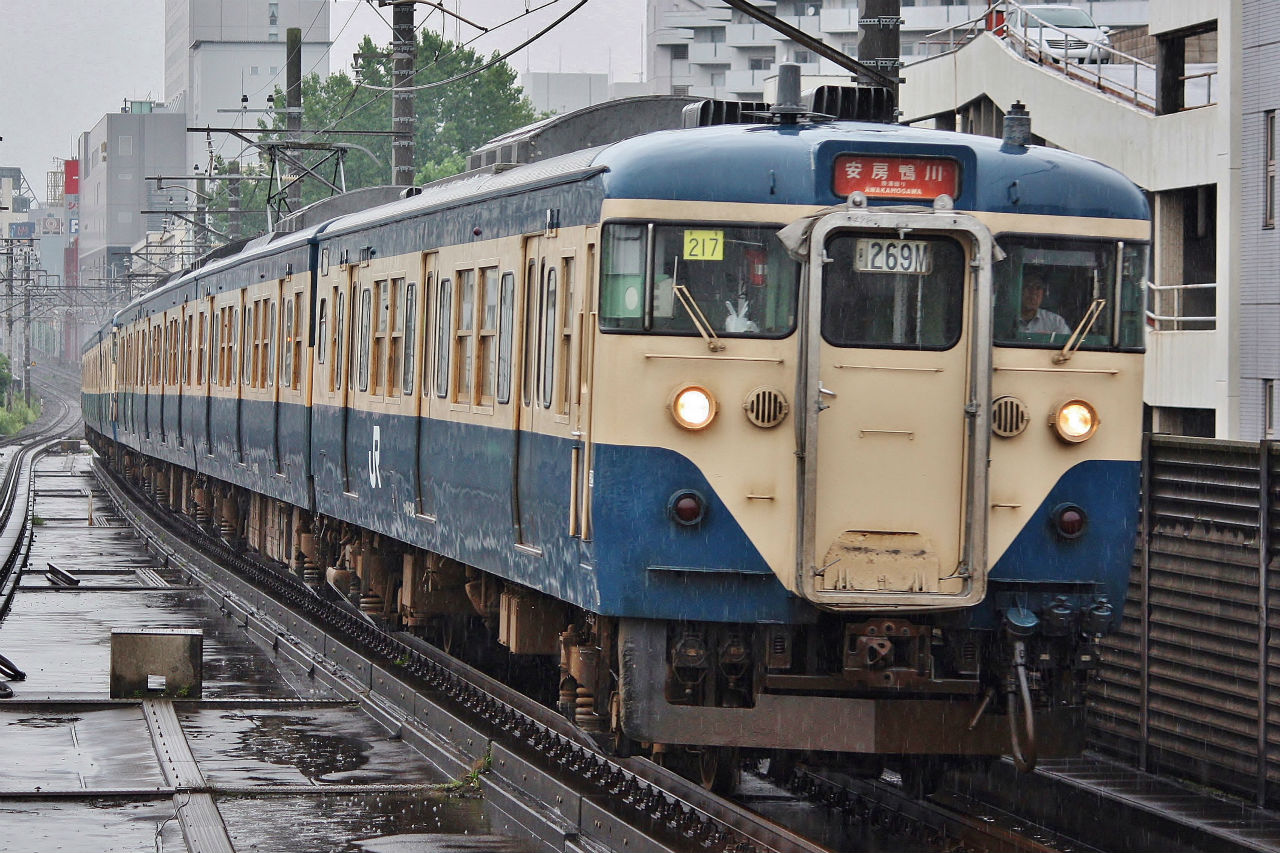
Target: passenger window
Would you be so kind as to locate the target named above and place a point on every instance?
(486, 349)
(444, 336)
(549, 333)
(250, 356)
(395, 350)
(271, 346)
(564, 330)
(530, 327)
(889, 293)
(362, 346)
(464, 343)
(339, 319)
(322, 331)
(410, 332)
(506, 316)
(286, 369)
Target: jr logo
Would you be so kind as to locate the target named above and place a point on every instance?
(375, 459)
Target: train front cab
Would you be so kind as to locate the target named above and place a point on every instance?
(963, 567)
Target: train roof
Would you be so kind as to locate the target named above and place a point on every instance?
(773, 164)
(795, 165)
(747, 163)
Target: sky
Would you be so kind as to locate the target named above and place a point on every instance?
(65, 63)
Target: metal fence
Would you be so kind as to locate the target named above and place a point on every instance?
(1187, 683)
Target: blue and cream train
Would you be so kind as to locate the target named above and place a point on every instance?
(813, 435)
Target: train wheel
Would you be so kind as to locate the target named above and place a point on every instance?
(922, 775)
(719, 769)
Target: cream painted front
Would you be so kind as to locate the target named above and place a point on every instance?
(888, 504)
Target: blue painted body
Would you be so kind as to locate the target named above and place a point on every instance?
(640, 564)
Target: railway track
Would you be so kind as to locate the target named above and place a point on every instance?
(532, 751)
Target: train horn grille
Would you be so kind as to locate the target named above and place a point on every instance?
(1009, 416)
(766, 407)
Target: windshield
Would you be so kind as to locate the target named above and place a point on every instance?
(655, 277)
(1075, 18)
(1045, 286)
(890, 293)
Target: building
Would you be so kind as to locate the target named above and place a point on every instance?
(220, 51)
(706, 49)
(116, 157)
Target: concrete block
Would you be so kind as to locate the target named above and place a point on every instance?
(157, 662)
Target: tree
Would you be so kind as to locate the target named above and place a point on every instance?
(464, 105)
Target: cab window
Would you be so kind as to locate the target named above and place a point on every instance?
(669, 279)
(1048, 287)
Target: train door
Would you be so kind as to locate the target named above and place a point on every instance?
(209, 365)
(543, 469)
(239, 355)
(421, 396)
(347, 316)
(276, 344)
(898, 362)
(185, 321)
(165, 335)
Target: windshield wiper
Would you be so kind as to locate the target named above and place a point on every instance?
(1077, 337)
(699, 319)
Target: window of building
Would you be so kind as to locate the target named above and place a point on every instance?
(803, 56)
(717, 78)
(679, 51)
(1269, 171)
(1268, 408)
(760, 63)
(125, 146)
(680, 90)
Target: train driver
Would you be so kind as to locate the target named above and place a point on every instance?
(1033, 319)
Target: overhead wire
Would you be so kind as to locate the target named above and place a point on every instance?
(384, 91)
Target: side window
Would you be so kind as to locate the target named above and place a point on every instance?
(444, 335)
(381, 327)
(506, 314)
(271, 345)
(295, 345)
(426, 334)
(410, 335)
(547, 374)
(322, 331)
(464, 343)
(201, 352)
(530, 328)
(395, 328)
(339, 319)
(286, 354)
(486, 347)
(250, 337)
(215, 332)
(362, 347)
(565, 334)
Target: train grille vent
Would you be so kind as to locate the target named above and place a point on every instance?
(1009, 416)
(766, 407)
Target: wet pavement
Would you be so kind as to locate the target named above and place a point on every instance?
(266, 759)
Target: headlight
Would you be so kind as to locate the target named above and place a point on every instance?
(1075, 421)
(693, 407)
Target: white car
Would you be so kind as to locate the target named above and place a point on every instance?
(1061, 33)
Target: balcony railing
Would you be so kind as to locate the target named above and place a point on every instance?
(1182, 307)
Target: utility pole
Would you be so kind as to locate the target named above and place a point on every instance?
(880, 45)
(293, 104)
(403, 54)
(26, 337)
(233, 200)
